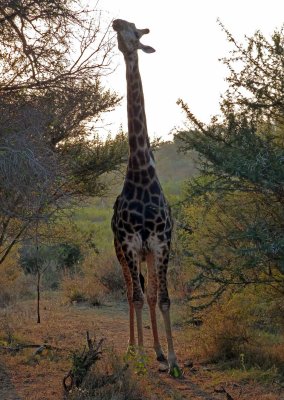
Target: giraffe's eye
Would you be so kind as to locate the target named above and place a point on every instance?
(137, 35)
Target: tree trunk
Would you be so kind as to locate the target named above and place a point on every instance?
(38, 297)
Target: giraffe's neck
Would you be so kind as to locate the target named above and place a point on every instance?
(140, 155)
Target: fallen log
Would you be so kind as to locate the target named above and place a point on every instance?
(20, 346)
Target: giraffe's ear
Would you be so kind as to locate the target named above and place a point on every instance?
(147, 49)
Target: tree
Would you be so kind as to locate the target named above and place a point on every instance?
(53, 54)
(37, 259)
(236, 206)
(49, 43)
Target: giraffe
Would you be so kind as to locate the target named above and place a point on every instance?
(142, 223)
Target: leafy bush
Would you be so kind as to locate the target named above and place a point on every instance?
(62, 255)
(244, 331)
(50, 260)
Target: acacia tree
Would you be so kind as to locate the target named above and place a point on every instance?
(53, 54)
(236, 206)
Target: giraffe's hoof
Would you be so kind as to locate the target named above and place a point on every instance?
(176, 372)
(163, 367)
(163, 363)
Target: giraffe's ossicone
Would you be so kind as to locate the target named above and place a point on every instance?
(142, 223)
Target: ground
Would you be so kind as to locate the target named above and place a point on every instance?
(24, 376)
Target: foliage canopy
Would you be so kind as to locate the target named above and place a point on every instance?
(53, 55)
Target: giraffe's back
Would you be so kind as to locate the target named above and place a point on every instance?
(141, 213)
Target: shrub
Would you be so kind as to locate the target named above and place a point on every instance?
(73, 289)
(50, 260)
(109, 272)
(243, 331)
(13, 284)
(78, 288)
(100, 276)
(126, 387)
(106, 270)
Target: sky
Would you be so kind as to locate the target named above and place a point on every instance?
(188, 43)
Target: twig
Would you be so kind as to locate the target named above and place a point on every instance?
(18, 347)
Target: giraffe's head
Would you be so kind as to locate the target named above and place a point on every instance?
(128, 37)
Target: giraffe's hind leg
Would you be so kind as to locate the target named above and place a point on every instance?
(152, 286)
(162, 259)
(129, 290)
(133, 262)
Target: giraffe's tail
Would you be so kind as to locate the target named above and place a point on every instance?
(142, 281)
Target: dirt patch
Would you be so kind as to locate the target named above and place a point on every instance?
(25, 376)
(7, 389)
